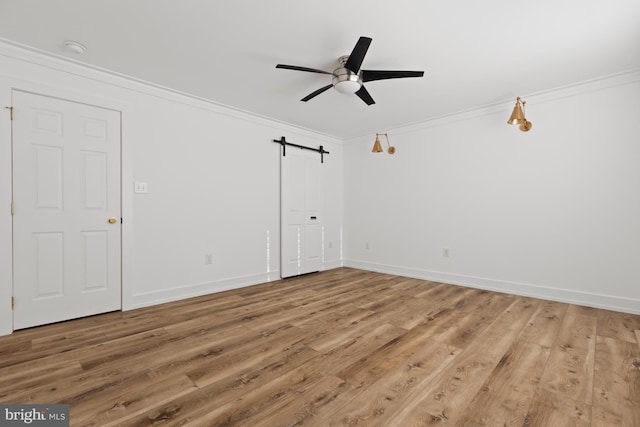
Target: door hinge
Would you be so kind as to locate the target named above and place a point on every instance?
(13, 209)
(10, 112)
(13, 302)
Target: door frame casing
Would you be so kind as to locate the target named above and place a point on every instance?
(7, 86)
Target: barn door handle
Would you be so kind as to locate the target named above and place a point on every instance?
(313, 217)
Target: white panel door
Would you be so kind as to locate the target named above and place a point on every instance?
(66, 188)
(300, 212)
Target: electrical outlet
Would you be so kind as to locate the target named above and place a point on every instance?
(445, 252)
(208, 259)
(366, 245)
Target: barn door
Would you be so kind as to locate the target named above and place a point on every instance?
(66, 222)
(301, 212)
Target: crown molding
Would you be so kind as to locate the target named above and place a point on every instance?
(28, 54)
(567, 91)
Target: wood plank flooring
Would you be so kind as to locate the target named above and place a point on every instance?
(343, 347)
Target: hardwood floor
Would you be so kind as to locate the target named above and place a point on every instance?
(339, 348)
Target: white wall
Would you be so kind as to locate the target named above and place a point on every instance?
(552, 213)
(212, 174)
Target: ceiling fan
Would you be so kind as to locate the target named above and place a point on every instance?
(349, 78)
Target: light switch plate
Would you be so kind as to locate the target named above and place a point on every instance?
(140, 187)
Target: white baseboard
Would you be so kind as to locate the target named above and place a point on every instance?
(607, 302)
(330, 265)
(197, 289)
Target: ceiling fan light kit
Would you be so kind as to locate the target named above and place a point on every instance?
(348, 78)
(518, 116)
(344, 80)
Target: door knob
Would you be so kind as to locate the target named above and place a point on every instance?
(112, 220)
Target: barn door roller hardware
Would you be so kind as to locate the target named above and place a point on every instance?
(284, 143)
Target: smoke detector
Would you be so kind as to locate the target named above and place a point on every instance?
(75, 47)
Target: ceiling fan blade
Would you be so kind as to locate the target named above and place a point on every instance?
(295, 67)
(357, 55)
(364, 95)
(371, 75)
(316, 93)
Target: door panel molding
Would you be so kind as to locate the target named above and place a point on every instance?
(67, 182)
(301, 213)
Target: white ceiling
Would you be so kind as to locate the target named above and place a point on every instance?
(474, 53)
